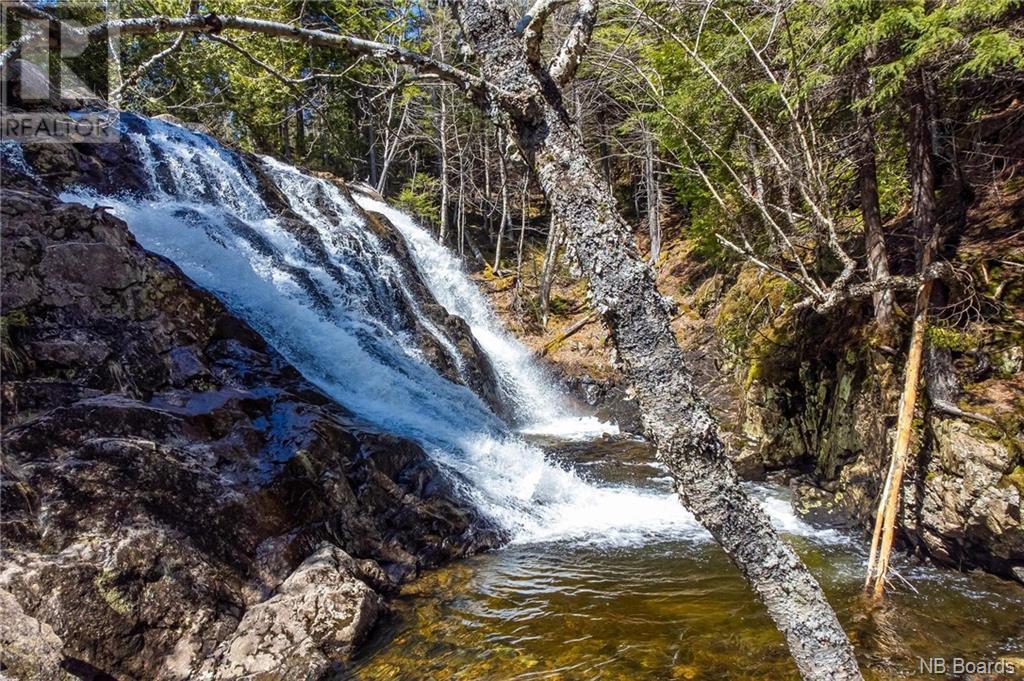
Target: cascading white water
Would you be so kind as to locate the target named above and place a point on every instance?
(523, 381)
(334, 302)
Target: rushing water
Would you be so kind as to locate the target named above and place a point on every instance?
(336, 302)
(606, 576)
(673, 608)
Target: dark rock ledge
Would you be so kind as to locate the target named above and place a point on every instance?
(178, 502)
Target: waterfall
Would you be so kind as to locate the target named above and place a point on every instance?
(523, 381)
(328, 295)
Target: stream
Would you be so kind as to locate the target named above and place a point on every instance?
(673, 607)
(605, 575)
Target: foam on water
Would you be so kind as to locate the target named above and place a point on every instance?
(336, 304)
(533, 394)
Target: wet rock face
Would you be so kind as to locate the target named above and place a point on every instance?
(173, 490)
(477, 374)
(818, 420)
(612, 399)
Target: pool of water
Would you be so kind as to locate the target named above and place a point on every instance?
(673, 607)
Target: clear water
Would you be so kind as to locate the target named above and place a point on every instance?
(674, 607)
(606, 576)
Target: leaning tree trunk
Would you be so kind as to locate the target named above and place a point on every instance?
(888, 505)
(922, 185)
(526, 99)
(676, 418)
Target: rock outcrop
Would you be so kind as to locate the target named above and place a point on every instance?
(175, 494)
(968, 499)
(312, 620)
(828, 424)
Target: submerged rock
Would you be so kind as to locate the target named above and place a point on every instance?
(818, 505)
(173, 490)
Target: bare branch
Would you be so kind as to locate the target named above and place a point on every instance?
(819, 213)
(256, 62)
(563, 66)
(703, 19)
(474, 86)
(951, 409)
(804, 143)
(839, 296)
(147, 65)
(23, 9)
(288, 82)
(747, 252)
(532, 26)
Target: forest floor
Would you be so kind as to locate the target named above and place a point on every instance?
(589, 349)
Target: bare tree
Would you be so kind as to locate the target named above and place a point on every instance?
(652, 191)
(867, 178)
(802, 209)
(922, 181)
(503, 180)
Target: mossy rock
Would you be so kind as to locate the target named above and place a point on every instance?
(1015, 478)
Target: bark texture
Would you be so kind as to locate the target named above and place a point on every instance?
(525, 98)
(922, 181)
(622, 284)
(874, 238)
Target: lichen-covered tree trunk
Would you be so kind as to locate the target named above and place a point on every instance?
(676, 418)
(525, 98)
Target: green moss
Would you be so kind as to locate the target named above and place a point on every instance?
(753, 322)
(1015, 478)
(953, 339)
(116, 600)
(752, 303)
(11, 358)
(13, 319)
(562, 306)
